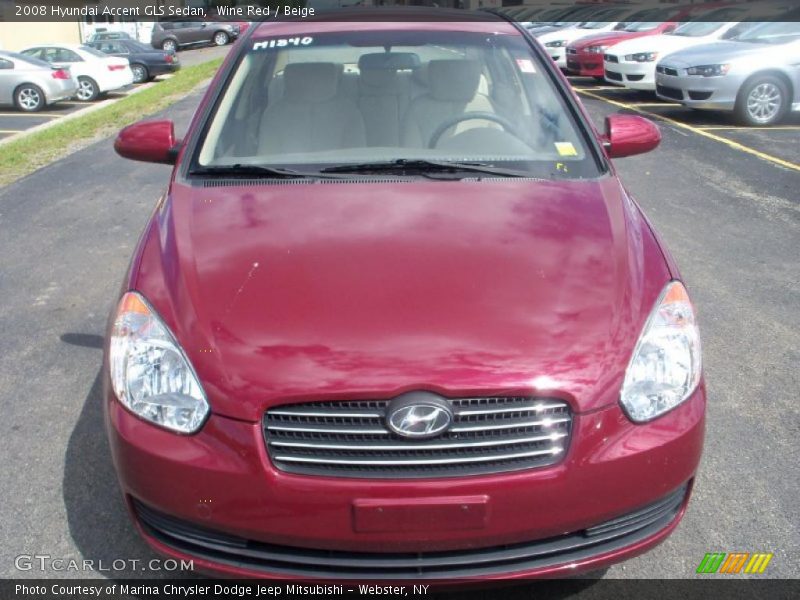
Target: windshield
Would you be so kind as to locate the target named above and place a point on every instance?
(26, 58)
(712, 21)
(356, 97)
(697, 28)
(93, 52)
(643, 26)
(771, 33)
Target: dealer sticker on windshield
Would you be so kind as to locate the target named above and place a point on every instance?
(526, 65)
(283, 43)
(566, 149)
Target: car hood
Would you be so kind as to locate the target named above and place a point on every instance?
(569, 34)
(606, 38)
(542, 29)
(718, 52)
(283, 292)
(663, 44)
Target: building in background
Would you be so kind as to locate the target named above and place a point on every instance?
(16, 36)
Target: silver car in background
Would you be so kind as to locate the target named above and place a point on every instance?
(756, 75)
(31, 84)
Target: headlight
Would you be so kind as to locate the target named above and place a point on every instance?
(709, 70)
(556, 44)
(149, 372)
(665, 367)
(642, 57)
(596, 49)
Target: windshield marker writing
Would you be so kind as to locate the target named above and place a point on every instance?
(283, 43)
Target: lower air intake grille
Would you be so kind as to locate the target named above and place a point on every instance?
(669, 92)
(351, 439)
(293, 561)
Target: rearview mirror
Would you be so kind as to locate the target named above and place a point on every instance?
(148, 141)
(627, 135)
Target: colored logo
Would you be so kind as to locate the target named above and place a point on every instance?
(735, 562)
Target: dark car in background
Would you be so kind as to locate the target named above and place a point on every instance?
(146, 63)
(173, 35)
(109, 35)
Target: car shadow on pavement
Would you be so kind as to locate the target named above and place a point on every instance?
(97, 518)
(101, 529)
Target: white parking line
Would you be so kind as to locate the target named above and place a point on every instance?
(747, 128)
(697, 130)
(655, 104)
(601, 88)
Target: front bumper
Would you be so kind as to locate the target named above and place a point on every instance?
(585, 64)
(221, 480)
(633, 75)
(713, 93)
(559, 55)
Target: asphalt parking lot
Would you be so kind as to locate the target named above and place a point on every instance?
(724, 200)
(13, 122)
(777, 144)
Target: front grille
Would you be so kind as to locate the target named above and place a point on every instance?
(611, 58)
(223, 548)
(350, 439)
(667, 70)
(573, 65)
(635, 77)
(669, 92)
(613, 76)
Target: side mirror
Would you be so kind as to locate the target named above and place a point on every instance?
(627, 135)
(148, 141)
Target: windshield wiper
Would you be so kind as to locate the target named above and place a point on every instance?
(425, 168)
(245, 170)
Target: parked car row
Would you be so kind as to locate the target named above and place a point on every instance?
(702, 58)
(45, 74)
(145, 61)
(31, 84)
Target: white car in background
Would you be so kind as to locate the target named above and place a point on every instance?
(95, 72)
(632, 63)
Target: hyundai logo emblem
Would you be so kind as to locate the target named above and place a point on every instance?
(419, 415)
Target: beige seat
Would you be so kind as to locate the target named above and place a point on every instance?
(384, 94)
(310, 116)
(452, 90)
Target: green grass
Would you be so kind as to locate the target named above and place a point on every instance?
(23, 156)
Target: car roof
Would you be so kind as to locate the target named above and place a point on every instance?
(394, 19)
(67, 46)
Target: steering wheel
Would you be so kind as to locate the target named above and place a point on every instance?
(507, 125)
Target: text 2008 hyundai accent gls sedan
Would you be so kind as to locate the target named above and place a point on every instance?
(395, 317)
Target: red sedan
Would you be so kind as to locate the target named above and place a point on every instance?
(397, 318)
